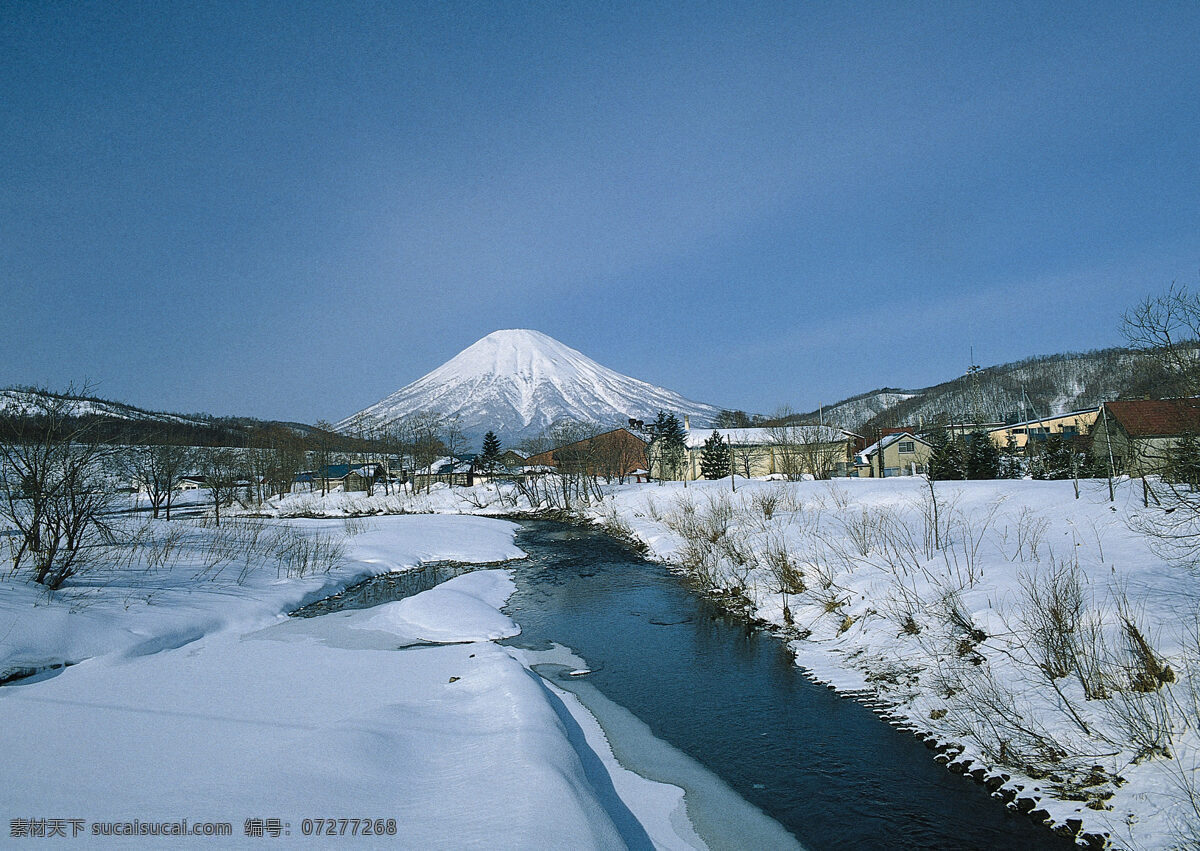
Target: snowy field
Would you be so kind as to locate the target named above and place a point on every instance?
(189, 695)
(1048, 642)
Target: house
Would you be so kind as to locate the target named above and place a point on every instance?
(453, 471)
(902, 454)
(1140, 434)
(510, 460)
(1069, 425)
(792, 451)
(189, 483)
(326, 478)
(362, 478)
(509, 465)
(613, 455)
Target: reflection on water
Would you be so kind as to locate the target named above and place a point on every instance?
(386, 587)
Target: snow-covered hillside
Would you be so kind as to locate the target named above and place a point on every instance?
(1038, 386)
(853, 412)
(16, 401)
(519, 382)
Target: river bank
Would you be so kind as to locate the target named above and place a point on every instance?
(192, 696)
(940, 624)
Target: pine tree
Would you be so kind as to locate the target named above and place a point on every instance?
(1090, 465)
(669, 444)
(1010, 460)
(1183, 462)
(947, 460)
(1054, 459)
(490, 456)
(714, 458)
(983, 456)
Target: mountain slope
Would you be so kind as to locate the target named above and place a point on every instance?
(518, 383)
(116, 422)
(25, 401)
(1037, 386)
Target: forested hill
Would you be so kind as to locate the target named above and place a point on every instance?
(1036, 386)
(116, 422)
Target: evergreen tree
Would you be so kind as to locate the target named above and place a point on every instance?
(490, 456)
(1054, 461)
(947, 460)
(714, 459)
(668, 444)
(1090, 466)
(1010, 460)
(983, 456)
(1183, 462)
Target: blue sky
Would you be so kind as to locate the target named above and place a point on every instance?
(289, 210)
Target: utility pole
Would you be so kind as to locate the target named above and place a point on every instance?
(732, 473)
(1112, 497)
(976, 393)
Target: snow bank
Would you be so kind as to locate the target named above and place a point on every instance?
(193, 697)
(465, 608)
(143, 608)
(456, 743)
(391, 543)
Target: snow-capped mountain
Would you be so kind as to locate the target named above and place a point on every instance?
(517, 383)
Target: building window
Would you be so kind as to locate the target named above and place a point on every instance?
(907, 447)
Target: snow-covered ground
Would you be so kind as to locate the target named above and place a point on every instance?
(191, 696)
(1046, 639)
(1050, 643)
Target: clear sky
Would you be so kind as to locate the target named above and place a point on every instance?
(289, 210)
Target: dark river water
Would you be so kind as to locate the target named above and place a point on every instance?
(827, 769)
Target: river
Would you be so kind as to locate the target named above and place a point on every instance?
(826, 768)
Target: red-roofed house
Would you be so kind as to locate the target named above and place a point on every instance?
(614, 454)
(1142, 432)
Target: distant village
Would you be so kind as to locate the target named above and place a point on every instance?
(1129, 437)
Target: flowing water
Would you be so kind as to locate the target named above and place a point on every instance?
(826, 768)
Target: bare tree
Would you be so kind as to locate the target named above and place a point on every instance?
(363, 427)
(452, 436)
(536, 444)
(285, 459)
(425, 435)
(616, 454)
(320, 451)
(1166, 329)
(576, 460)
(223, 470)
(742, 458)
(56, 487)
(157, 471)
(804, 448)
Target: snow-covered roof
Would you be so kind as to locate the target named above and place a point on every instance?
(887, 441)
(446, 466)
(767, 436)
(539, 468)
